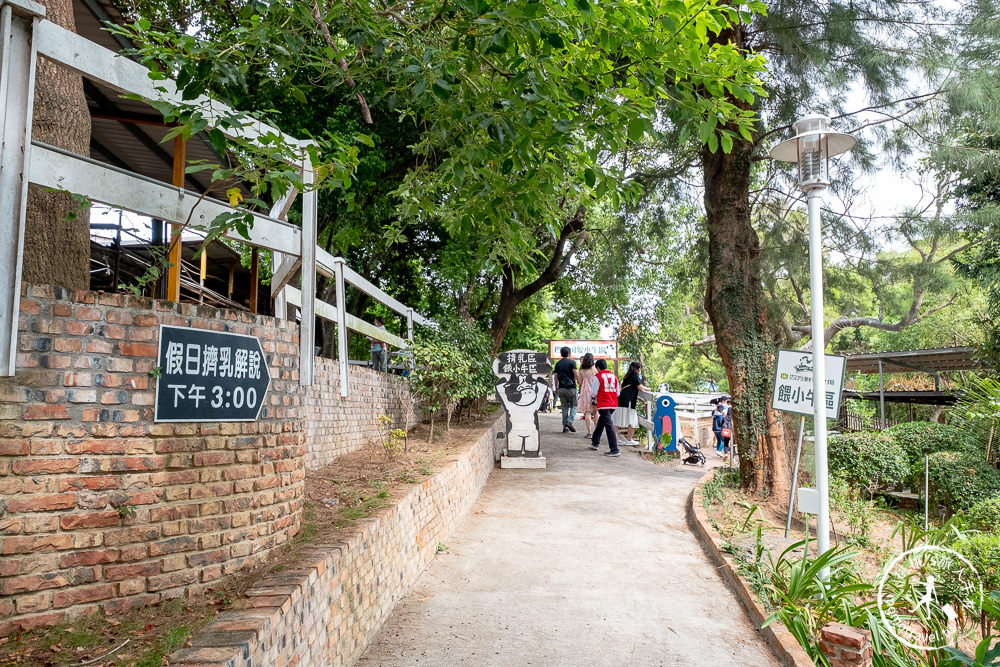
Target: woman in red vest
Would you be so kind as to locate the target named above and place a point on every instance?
(604, 387)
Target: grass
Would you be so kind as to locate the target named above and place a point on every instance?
(152, 634)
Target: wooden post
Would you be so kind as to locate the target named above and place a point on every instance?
(174, 272)
(254, 280)
(232, 276)
(204, 272)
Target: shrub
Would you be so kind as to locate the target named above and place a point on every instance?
(983, 551)
(959, 480)
(985, 515)
(918, 439)
(869, 461)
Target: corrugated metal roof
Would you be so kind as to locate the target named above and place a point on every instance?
(934, 360)
(128, 133)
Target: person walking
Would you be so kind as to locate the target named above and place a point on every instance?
(626, 416)
(605, 388)
(585, 405)
(727, 426)
(379, 350)
(719, 423)
(566, 375)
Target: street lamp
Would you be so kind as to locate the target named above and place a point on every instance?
(810, 149)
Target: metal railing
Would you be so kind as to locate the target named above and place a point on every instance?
(24, 36)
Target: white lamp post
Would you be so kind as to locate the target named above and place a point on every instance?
(810, 149)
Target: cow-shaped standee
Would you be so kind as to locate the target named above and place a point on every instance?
(521, 388)
(665, 421)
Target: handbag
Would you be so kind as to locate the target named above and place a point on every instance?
(727, 433)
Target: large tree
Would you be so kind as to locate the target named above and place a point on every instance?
(522, 111)
(56, 235)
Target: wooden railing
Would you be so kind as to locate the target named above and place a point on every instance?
(25, 35)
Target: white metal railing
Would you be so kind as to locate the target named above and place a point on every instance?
(24, 36)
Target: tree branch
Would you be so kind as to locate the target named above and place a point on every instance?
(366, 113)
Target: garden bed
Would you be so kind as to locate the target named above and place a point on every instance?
(340, 496)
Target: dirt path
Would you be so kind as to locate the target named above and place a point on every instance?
(589, 562)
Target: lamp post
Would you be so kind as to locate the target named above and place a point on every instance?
(810, 149)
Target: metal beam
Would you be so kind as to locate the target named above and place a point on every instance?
(17, 85)
(307, 330)
(108, 154)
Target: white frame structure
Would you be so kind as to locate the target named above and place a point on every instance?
(25, 35)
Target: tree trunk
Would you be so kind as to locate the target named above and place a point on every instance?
(734, 300)
(56, 248)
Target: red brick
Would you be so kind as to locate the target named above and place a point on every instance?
(119, 317)
(12, 447)
(98, 346)
(78, 328)
(117, 572)
(95, 557)
(88, 313)
(58, 501)
(103, 446)
(132, 586)
(42, 466)
(121, 605)
(145, 320)
(67, 345)
(62, 310)
(43, 411)
(32, 622)
(138, 349)
(172, 579)
(46, 447)
(213, 458)
(28, 307)
(78, 595)
(34, 603)
(90, 520)
(91, 482)
(845, 635)
(34, 582)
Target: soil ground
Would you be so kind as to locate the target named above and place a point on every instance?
(351, 489)
(588, 562)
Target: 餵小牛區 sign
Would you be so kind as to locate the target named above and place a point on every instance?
(793, 383)
(601, 349)
(208, 376)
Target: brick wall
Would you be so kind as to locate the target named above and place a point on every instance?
(846, 646)
(77, 439)
(337, 426)
(328, 611)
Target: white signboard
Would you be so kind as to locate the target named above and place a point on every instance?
(793, 383)
(601, 349)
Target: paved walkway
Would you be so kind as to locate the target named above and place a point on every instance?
(589, 562)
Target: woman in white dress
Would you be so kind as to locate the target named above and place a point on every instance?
(626, 416)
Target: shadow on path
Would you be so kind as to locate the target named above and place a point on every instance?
(589, 562)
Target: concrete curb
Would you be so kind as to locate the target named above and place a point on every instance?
(781, 641)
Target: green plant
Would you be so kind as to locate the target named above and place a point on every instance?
(868, 460)
(123, 507)
(442, 547)
(919, 439)
(711, 491)
(984, 515)
(389, 438)
(426, 467)
(959, 480)
(983, 551)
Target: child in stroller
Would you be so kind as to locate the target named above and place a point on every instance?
(693, 455)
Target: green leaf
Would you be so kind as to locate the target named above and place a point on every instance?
(583, 5)
(636, 129)
(727, 142)
(589, 177)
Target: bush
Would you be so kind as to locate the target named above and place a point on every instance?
(984, 515)
(918, 439)
(983, 551)
(959, 480)
(868, 461)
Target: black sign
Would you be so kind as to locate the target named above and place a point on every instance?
(521, 388)
(209, 376)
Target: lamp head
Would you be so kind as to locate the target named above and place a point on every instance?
(811, 148)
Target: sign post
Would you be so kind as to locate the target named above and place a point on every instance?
(209, 376)
(601, 349)
(794, 391)
(521, 386)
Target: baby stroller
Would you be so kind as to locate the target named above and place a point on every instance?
(693, 455)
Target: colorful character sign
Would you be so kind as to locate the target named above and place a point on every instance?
(521, 388)
(665, 421)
